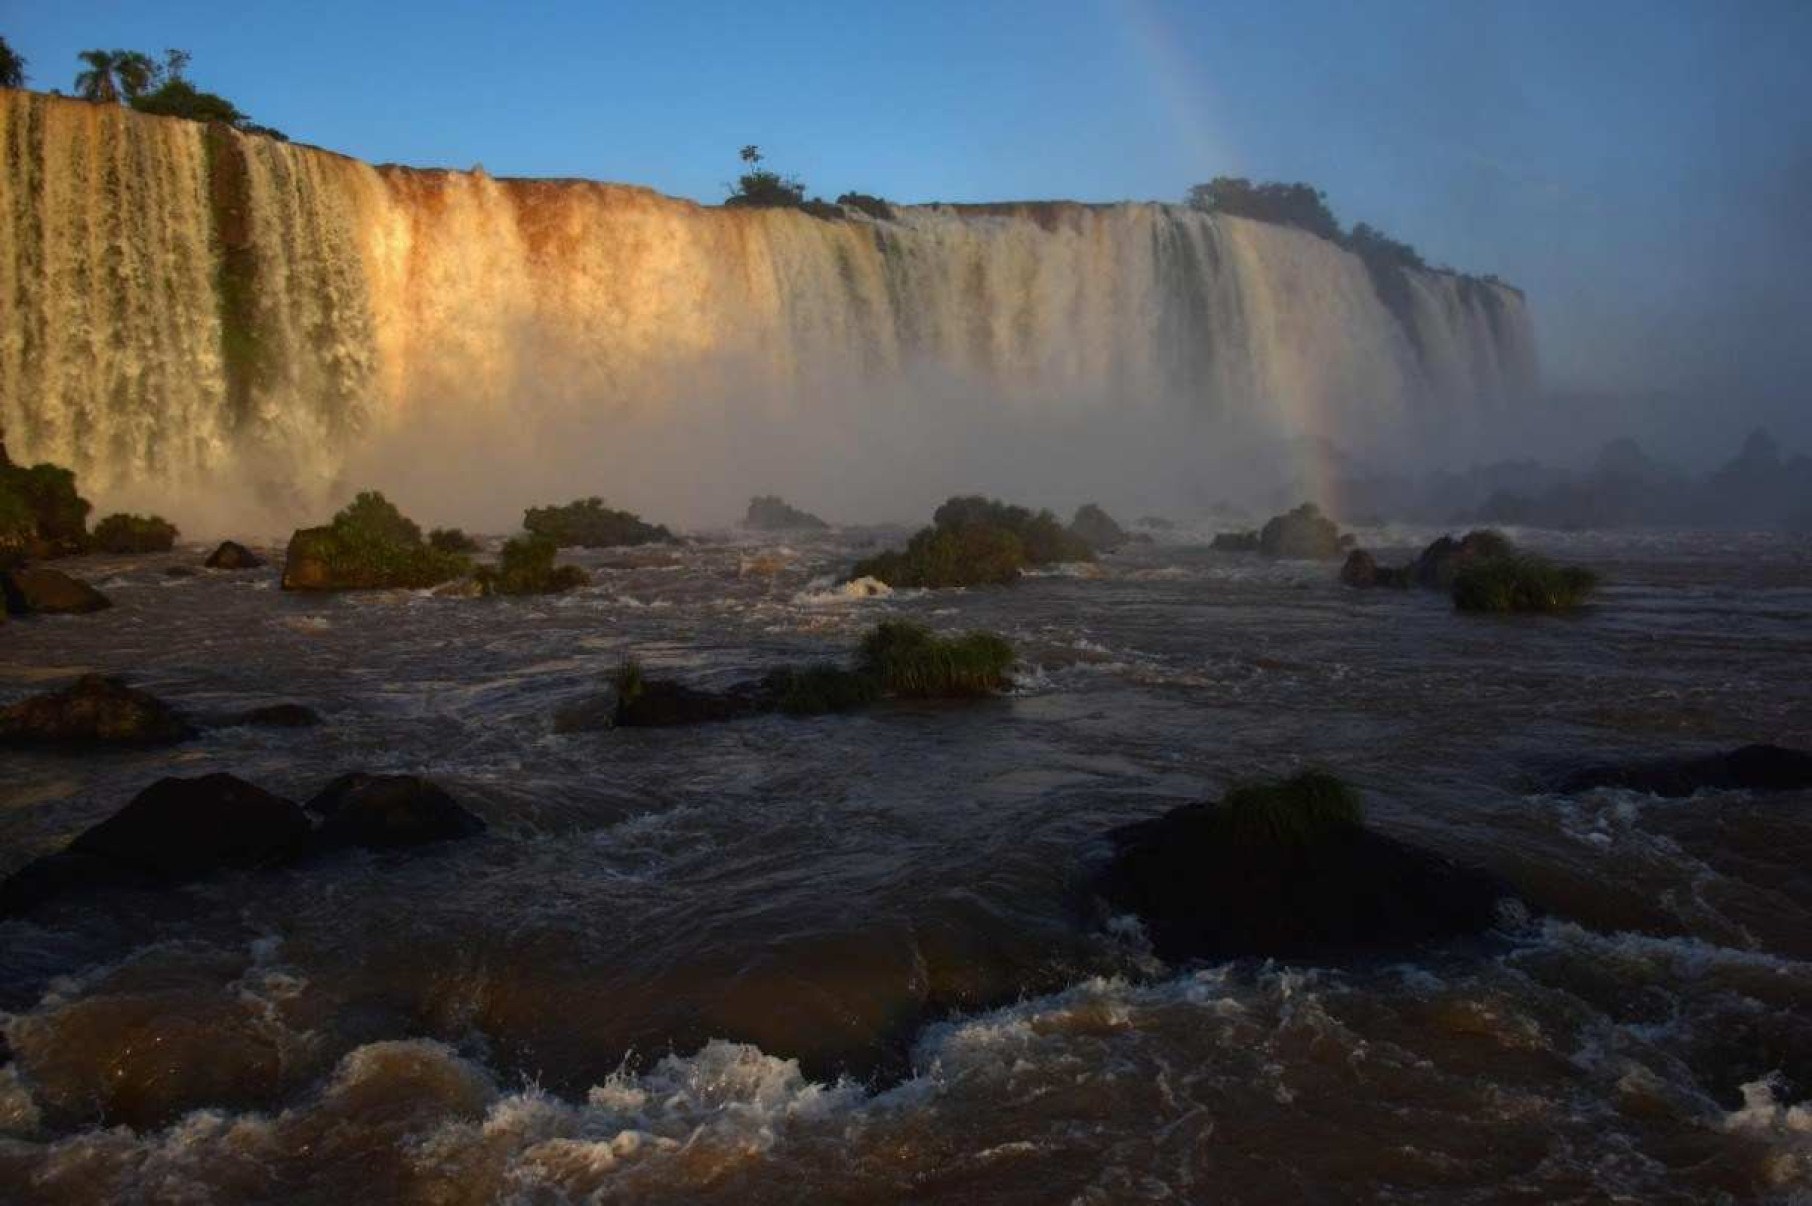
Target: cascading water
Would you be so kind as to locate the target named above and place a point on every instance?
(184, 296)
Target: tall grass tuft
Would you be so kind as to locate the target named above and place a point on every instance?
(1295, 811)
(1520, 584)
(907, 660)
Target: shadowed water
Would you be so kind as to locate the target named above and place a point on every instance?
(854, 958)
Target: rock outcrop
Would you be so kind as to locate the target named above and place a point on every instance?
(95, 710)
(35, 590)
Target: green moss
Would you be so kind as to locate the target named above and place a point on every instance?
(124, 533)
(906, 659)
(1520, 584)
(1293, 811)
(527, 567)
(588, 523)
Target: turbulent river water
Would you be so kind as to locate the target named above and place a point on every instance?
(855, 959)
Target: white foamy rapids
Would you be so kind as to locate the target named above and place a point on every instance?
(199, 306)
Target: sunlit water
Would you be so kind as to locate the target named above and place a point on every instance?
(855, 958)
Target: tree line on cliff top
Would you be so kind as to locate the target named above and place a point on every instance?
(145, 83)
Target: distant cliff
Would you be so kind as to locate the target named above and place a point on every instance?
(179, 294)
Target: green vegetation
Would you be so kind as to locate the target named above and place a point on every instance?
(1520, 583)
(123, 533)
(527, 567)
(40, 512)
(906, 659)
(875, 207)
(976, 541)
(1292, 812)
(160, 89)
(370, 545)
(759, 188)
(588, 523)
(12, 67)
(451, 540)
(771, 513)
(1300, 205)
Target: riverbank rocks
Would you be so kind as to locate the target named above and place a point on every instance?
(383, 812)
(38, 591)
(1759, 768)
(231, 555)
(95, 710)
(1287, 869)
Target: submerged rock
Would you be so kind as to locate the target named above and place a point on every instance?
(279, 716)
(231, 555)
(382, 812)
(592, 714)
(95, 710)
(35, 590)
(1287, 869)
(1750, 768)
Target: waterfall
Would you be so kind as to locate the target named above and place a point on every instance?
(184, 297)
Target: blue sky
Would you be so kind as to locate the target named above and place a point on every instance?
(1641, 168)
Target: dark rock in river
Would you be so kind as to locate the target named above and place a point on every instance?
(657, 703)
(1304, 532)
(771, 513)
(1096, 528)
(96, 710)
(279, 716)
(233, 556)
(1235, 542)
(1751, 768)
(1249, 876)
(387, 811)
(1441, 562)
(49, 592)
(592, 714)
(1360, 570)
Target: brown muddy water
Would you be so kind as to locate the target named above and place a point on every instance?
(855, 959)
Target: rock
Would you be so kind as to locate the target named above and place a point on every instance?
(232, 555)
(1302, 533)
(1235, 542)
(49, 592)
(1442, 560)
(1208, 885)
(96, 710)
(180, 571)
(307, 562)
(771, 513)
(658, 703)
(1097, 528)
(388, 811)
(592, 714)
(1360, 570)
(1750, 768)
(279, 716)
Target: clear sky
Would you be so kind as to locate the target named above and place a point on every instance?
(1642, 167)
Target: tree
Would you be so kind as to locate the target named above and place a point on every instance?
(1300, 205)
(116, 75)
(761, 189)
(751, 154)
(12, 67)
(177, 97)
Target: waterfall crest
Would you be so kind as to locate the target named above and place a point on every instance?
(182, 296)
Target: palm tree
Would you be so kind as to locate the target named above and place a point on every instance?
(12, 67)
(115, 75)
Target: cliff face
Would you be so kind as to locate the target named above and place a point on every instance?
(179, 295)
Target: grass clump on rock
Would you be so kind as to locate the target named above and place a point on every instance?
(907, 659)
(588, 523)
(976, 541)
(526, 567)
(821, 688)
(1292, 811)
(370, 545)
(1521, 583)
(124, 533)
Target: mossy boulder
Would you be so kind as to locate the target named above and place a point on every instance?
(41, 514)
(1287, 869)
(125, 533)
(771, 513)
(976, 541)
(526, 567)
(370, 545)
(643, 702)
(588, 523)
(231, 555)
(35, 590)
(95, 710)
(1440, 563)
(1304, 533)
(1097, 529)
